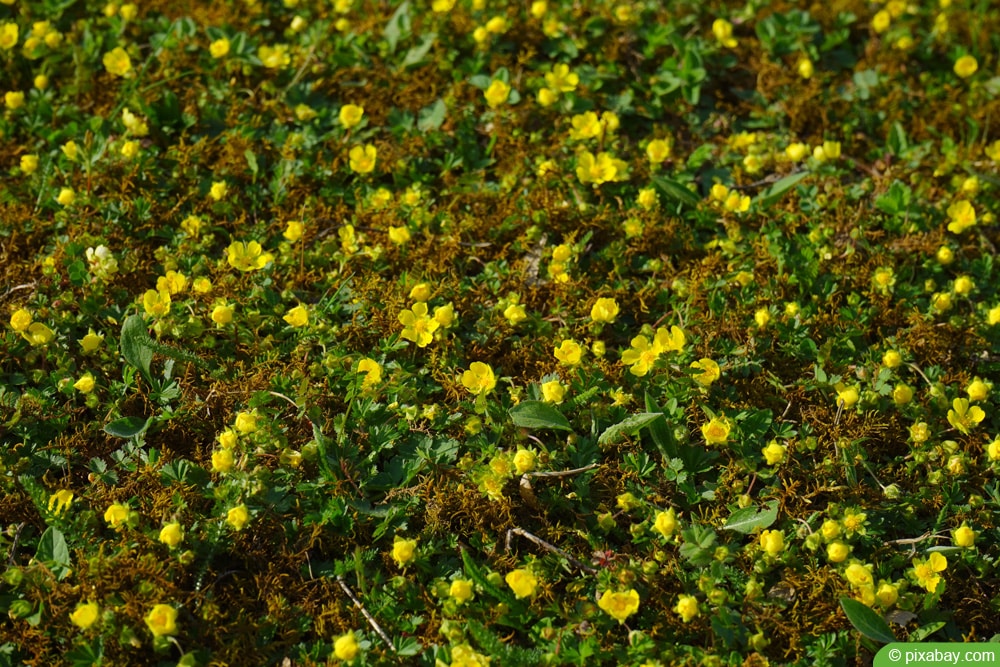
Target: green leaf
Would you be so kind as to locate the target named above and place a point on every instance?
(135, 345)
(628, 426)
(398, 26)
(866, 621)
(418, 53)
(53, 550)
(749, 519)
(772, 196)
(538, 414)
(127, 427)
(676, 191)
(663, 436)
(432, 116)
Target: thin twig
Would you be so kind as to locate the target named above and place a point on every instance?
(371, 619)
(549, 547)
(562, 473)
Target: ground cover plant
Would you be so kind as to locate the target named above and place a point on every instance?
(467, 332)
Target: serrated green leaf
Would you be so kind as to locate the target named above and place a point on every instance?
(866, 621)
(628, 426)
(432, 116)
(538, 414)
(749, 519)
(127, 427)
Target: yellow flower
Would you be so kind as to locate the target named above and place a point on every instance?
(546, 98)
(687, 607)
(830, 529)
(222, 314)
(522, 582)
(892, 359)
(669, 341)
(85, 384)
(191, 225)
(977, 390)
(962, 215)
(796, 151)
(515, 314)
(274, 57)
(966, 66)
(403, 550)
(604, 310)
(116, 515)
(926, 571)
(854, 522)
(222, 460)
(85, 615)
(710, 371)
(162, 620)
(881, 20)
(569, 352)
(837, 552)
(496, 25)
(442, 6)
(497, 93)
(156, 304)
(60, 501)
(902, 394)
(964, 285)
(227, 438)
(66, 196)
(963, 536)
(774, 453)
(859, 575)
(246, 422)
(597, 170)
(887, 594)
(417, 326)
(346, 647)
(117, 62)
(805, 67)
(553, 391)
(847, 396)
(362, 159)
(350, 115)
(716, 431)
(372, 371)
(293, 231)
(561, 79)
(130, 149)
(29, 163)
(297, 316)
(219, 48)
(461, 590)
(38, 334)
(658, 150)
(524, 461)
(172, 534)
(962, 417)
(773, 542)
(8, 35)
(666, 522)
(993, 316)
(247, 256)
(723, 31)
(420, 292)
(399, 235)
(218, 190)
(173, 282)
(20, 320)
(134, 124)
(479, 379)
(445, 315)
(238, 517)
(619, 606)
